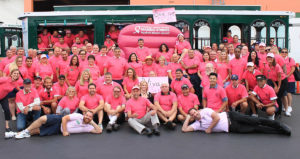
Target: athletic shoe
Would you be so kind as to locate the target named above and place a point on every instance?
(254, 115)
(147, 132)
(116, 127)
(109, 128)
(10, 134)
(289, 109)
(286, 129)
(287, 113)
(22, 134)
(271, 117)
(13, 118)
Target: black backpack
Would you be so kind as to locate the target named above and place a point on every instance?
(296, 72)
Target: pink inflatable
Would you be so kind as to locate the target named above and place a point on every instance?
(153, 34)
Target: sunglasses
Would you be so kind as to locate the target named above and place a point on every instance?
(284, 52)
(48, 94)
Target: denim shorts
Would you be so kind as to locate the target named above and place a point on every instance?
(52, 126)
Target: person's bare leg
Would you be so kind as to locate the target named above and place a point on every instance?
(35, 131)
(6, 124)
(252, 107)
(290, 99)
(244, 107)
(53, 107)
(285, 102)
(162, 117)
(100, 116)
(181, 118)
(173, 116)
(37, 124)
(270, 111)
(12, 106)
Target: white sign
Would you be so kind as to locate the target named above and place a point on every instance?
(165, 15)
(154, 83)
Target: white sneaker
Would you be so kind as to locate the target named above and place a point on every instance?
(13, 118)
(254, 115)
(287, 113)
(272, 117)
(289, 109)
(10, 134)
(22, 134)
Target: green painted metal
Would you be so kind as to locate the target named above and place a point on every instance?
(150, 7)
(215, 21)
(5, 32)
(298, 15)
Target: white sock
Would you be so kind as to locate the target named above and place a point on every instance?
(112, 119)
(26, 131)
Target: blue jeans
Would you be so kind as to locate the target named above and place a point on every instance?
(22, 118)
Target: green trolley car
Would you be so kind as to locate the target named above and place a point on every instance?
(10, 35)
(205, 24)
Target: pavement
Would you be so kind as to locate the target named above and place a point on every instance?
(126, 143)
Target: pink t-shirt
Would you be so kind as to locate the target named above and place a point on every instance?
(161, 70)
(222, 69)
(262, 57)
(148, 68)
(44, 70)
(101, 60)
(206, 120)
(54, 62)
(229, 40)
(202, 65)
(114, 35)
(176, 84)
(91, 102)
(205, 81)
(54, 39)
(94, 71)
(138, 67)
(78, 45)
(81, 89)
(64, 45)
(214, 97)
(235, 94)
(265, 94)
(6, 86)
(115, 102)
(173, 67)
(69, 40)
(26, 99)
(187, 102)
(109, 44)
(290, 62)
(138, 106)
(182, 45)
(142, 53)
(111, 54)
(45, 38)
(23, 70)
(73, 74)
(5, 61)
(76, 124)
(167, 55)
(271, 72)
(189, 62)
(60, 90)
(251, 78)
(63, 65)
(129, 83)
(31, 72)
(237, 66)
(105, 89)
(165, 101)
(117, 67)
(84, 37)
(72, 104)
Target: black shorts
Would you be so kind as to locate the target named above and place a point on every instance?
(265, 108)
(291, 87)
(52, 126)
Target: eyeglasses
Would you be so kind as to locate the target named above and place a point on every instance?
(284, 52)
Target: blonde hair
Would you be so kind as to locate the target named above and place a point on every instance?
(81, 77)
(69, 89)
(14, 65)
(144, 82)
(220, 57)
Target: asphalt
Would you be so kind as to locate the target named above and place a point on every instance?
(126, 143)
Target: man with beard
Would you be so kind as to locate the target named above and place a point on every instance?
(55, 124)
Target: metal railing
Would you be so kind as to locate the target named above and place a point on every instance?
(200, 42)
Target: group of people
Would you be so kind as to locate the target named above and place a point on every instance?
(211, 90)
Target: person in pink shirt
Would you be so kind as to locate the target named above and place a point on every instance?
(82, 84)
(92, 67)
(56, 124)
(249, 76)
(82, 36)
(129, 81)
(93, 102)
(223, 68)
(166, 103)
(141, 112)
(74, 51)
(201, 66)
(44, 69)
(237, 65)
(245, 53)
(228, 37)
(235, 41)
(149, 66)
(63, 63)
(5, 61)
(61, 43)
(277, 78)
(214, 96)
(95, 51)
(181, 45)
(105, 88)
(165, 52)
(209, 68)
(162, 68)
(28, 104)
(78, 43)
(54, 62)
(41, 45)
(60, 87)
(54, 38)
(179, 81)
(209, 121)
(116, 66)
(262, 54)
(108, 42)
(114, 107)
(237, 95)
(186, 32)
(279, 59)
(31, 68)
(83, 62)
(253, 57)
(186, 101)
(69, 38)
(72, 73)
(89, 49)
(173, 66)
(113, 33)
(46, 37)
(191, 64)
(102, 59)
(37, 84)
(141, 51)
(137, 65)
(264, 97)
(17, 64)
(69, 103)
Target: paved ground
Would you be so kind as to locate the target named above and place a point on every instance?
(171, 144)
